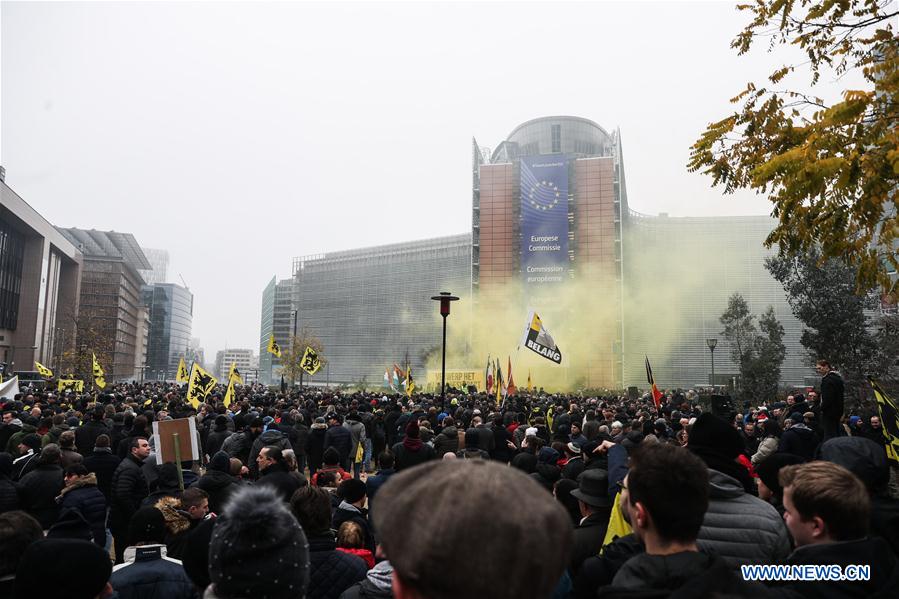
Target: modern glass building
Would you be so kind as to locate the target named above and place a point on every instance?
(277, 318)
(171, 319)
(631, 286)
(159, 262)
(371, 307)
(680, 274)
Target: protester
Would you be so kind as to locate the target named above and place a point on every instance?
(827, 512)
(128, 489)
(217, 482)
(80, 570)
(81, 493)
(9, 490)
(40, 487)
(739, 527)
(768, 482)
(331, 572)
(86, 435)
(668, 494)
(274, 473)
(147, 571)
(375, 481)
(831, 399)
(351, 508)
(411, 451)
(18, 530)
(351, 539)
(595, 507)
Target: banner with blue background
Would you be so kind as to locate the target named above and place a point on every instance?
(544, 220)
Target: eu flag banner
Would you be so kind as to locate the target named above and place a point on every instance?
(544, 220)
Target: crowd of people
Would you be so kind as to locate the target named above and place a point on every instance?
(319, 493)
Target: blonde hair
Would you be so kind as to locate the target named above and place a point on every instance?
(350, 536)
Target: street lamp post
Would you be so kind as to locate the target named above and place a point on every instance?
(293, 350)
(444, 298)
(712, 343)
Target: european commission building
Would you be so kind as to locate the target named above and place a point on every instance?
(551, 228)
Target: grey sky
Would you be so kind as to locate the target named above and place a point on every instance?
(240, 135)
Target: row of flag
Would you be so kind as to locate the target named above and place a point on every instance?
(393, 382)
(310, 362)
(75, 384)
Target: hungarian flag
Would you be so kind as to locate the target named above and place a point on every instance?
(397, 373)
(656, 394)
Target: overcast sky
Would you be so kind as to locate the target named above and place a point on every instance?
(239, 135)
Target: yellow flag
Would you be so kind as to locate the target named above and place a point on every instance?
(273, 347)
(99, 375)
(310, 362)
(183, 375)
(410, 384)
(549, 418)
(229, 395)
(234, 375)
(43, 369)
(618, 526)
(888, 408)
(201, 384)
(70, 385)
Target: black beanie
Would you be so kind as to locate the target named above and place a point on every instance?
(331, 457)
(769, 468)
(713, 433)
(258, 548)
(64, 569)
(351, 490)
(221, 462)
(147, 526)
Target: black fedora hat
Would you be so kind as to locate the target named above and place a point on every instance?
(593, 488)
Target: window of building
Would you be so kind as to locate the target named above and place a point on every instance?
(557, 138)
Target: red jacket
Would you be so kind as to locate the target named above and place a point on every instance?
(363, 553)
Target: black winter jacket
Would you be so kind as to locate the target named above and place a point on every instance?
(84, 496)
(128, 489)
(588, 537)
(40, 487)
(272, 437)
(315, 445)
(277, 477)
(9, 494)
(446, 441)
(799, 440)
(150, 576)
(86, 435)
(103, 463)
(219, 485)
(215, 439)
(341, 439)
(331, 571)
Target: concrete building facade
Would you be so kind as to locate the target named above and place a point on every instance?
(40, 278)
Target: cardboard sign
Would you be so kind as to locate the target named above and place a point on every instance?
(164, 433)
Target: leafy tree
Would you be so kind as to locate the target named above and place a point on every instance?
(842, 326)
(758, 351)
(292, 355)
(831, 170)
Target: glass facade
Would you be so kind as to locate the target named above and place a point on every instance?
(372, 308)
(696, 264)
(12, 255)
(277, 318)
(171, 319)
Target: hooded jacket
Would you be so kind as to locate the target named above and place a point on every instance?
(86, 435)
(741, 528)
(684, 575)
(377, 584)
(84, 496)
(446, 441)
(127, 489)
(218, 482)
(799, 440)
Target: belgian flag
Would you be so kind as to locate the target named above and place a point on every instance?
(656, 394)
